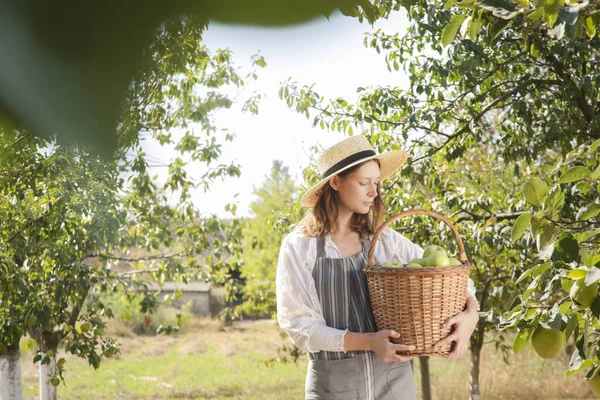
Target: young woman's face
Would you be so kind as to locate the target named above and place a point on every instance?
(358, 190)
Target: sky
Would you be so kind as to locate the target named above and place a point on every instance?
(330, 54)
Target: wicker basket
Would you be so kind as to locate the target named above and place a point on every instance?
(416, 301)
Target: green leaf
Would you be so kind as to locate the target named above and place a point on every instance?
(554, 203)
(592, 276)
(590, 27)
(554, 322)
(474, 29)
(567, 248)
(568, 15)
(535, 191)
(520, 226)
(521, 340)
(592, 372)
(535, 225)
(551, 11)
(523, 4)
(449, 4)
(534, 49)
(537, 14)
(589, 211)
(451, 29)
(583, 187)
(583, 236)
(499, 8)
(577, 364)
(464, 27)
(596, 174)
(574, 174)
(577, 273)
(540, 269)
(567, 284)
(60, 362)
(565, 307)
(594, 146)
(546, 233)
(525, 274)
(573, 319)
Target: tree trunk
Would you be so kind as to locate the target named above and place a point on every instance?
(476, 345)
(425, 378)
(48, 341)
(47, 389)
(10, 373)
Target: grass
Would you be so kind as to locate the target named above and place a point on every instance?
(209, 361)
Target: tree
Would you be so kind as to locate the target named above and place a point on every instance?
(562, 224)
(519, 76)
(63, 205)
(51, 224)
(262, 243)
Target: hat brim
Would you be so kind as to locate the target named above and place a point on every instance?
(390, 162)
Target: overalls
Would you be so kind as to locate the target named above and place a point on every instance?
(342, 289)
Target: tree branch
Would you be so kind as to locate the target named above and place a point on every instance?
(466, 127)
(584, 106)
(133, 259)
(500, 216)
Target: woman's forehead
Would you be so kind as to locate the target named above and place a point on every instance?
(370, 170)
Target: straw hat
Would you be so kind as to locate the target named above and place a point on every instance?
(346, 154)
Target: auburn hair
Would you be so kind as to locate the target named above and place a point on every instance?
(320, 220)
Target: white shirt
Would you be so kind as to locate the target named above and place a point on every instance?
(298, 309)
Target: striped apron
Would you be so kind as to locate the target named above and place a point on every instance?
(358, 375)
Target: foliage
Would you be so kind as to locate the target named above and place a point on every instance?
(73, 80)
(562, 222)
(517, 82)
(262, 243)
(75, 222)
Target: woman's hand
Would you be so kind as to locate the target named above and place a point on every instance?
(381, 345)
(463, 325)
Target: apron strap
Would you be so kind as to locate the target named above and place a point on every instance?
(320, 246)
(366, 243)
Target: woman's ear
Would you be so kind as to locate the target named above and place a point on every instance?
(334, 183)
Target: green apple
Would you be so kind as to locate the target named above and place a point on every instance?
(583, 295)
(392, 264)
(420, 261)
(546, 342)
(431, 249)
(413, 265)
(454, 262)
(594, 384)
(439, 259)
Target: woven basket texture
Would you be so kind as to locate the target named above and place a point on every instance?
(415, 302)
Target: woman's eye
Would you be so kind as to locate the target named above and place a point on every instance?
(362, 184)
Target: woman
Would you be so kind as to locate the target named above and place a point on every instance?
(322, 295)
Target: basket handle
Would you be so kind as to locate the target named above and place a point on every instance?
(462, 256)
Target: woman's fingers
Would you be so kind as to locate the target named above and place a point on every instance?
(388, 333)
(403, 347)
(458, 351)
(448, 339)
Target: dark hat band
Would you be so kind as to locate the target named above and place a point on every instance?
(347, 161)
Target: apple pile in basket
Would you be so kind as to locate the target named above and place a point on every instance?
(433, 256)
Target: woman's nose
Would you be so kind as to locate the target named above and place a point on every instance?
(373, 191)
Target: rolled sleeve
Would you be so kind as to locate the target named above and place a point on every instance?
(298, 309)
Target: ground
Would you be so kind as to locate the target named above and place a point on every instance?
(210, 361)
